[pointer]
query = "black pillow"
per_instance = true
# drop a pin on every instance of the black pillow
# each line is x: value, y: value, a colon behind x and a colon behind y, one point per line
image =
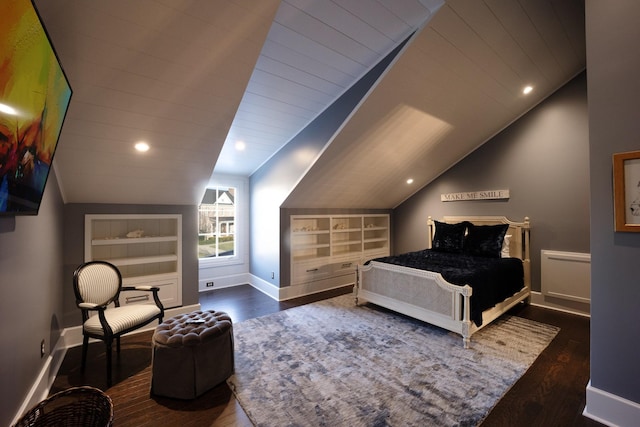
x: 485, y: 240
x: 449, y: 237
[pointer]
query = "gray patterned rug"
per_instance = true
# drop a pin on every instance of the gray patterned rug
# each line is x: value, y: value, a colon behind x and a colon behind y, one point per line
x: 332, y: 363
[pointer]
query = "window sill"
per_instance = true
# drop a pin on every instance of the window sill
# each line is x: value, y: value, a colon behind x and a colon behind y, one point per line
x: 219, y: 262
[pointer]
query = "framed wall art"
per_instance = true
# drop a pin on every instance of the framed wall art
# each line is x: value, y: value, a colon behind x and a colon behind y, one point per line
x: 626, y: 191
x: 34, y: 98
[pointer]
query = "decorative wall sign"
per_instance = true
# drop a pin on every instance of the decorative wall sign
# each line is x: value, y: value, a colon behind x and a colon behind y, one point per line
x: 626, y: 190
x: 475, y: 195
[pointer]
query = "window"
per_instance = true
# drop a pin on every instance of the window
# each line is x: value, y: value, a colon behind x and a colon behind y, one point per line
x: 217, y: 223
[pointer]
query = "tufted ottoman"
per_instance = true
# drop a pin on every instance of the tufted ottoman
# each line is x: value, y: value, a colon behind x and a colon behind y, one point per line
x: 192, y: 353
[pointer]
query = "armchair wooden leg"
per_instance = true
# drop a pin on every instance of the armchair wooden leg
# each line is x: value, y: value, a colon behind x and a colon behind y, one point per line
x: 108, y: 343
x: 85, y: 346
x: 118, y: 345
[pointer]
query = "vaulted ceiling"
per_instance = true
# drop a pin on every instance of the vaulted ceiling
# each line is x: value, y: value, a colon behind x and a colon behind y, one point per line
x: 195, y: 77
x: 457, y: 84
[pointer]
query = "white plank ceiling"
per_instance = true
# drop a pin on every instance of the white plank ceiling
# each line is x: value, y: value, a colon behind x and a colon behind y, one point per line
x: 194, y: 77
x: 456, y: 85
x: 314, y: 52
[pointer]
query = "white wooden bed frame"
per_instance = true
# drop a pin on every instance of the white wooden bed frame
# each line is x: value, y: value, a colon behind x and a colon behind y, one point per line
x: 427, y: 296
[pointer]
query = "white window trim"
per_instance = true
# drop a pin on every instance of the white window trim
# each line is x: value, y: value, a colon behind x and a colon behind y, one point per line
x: 241, y: 221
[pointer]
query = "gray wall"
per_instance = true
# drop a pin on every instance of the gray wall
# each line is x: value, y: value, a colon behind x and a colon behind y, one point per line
x: 31, y: 284
x: 74, y: 247
x: 542, y: 159
x: 614, y: 102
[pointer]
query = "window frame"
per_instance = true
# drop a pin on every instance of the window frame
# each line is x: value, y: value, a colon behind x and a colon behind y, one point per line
x: 240, y: 228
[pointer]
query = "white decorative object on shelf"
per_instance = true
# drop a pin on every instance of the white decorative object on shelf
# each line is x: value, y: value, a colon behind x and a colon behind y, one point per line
x: 135, y: 233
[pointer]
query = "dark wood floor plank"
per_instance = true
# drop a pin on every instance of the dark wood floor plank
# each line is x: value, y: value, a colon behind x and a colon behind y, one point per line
x: 551, y: 393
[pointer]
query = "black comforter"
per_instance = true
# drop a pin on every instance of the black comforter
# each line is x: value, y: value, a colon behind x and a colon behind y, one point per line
x: 492, y: 279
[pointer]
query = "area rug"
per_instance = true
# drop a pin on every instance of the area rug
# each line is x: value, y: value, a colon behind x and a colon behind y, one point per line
x: 333, y: 363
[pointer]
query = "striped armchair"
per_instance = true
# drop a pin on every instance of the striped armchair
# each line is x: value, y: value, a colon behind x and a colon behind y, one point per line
x: 97, y: 284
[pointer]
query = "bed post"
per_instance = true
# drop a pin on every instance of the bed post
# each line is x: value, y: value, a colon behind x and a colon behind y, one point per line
x: 526, y: 256
x: 355, y: 287
x: 465, y: 296
x: 430, y: 225
x: 526, y: 230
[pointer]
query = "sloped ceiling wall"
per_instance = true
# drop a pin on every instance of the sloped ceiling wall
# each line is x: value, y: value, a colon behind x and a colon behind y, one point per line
x: 458, y: 83
x: 314, y: 52
x: 168, y: 72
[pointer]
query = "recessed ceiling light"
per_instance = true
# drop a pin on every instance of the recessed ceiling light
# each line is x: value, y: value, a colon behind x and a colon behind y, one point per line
x: 527, y: 90
x: 142, y: 146
x: 410, y: 181
x: 240, y: 145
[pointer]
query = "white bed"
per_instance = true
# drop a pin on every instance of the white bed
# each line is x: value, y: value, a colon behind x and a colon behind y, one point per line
x: 427, y: 296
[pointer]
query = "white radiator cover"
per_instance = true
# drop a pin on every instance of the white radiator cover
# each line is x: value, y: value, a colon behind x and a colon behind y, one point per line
x: 566, y: 275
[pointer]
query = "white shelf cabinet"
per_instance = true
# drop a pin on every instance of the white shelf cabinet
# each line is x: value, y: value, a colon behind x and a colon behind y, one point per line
x: 154, y: 257
x: 329, y: 247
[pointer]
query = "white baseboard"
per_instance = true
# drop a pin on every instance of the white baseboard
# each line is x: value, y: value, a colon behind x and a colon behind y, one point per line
x: 609, y: 409
x: 47, y: 375
x: 220, y: 282
x: 293, y: 291
x: 275, y: 292
x: 265, y: 287
x: 296, y: 291
x: 572, y: 307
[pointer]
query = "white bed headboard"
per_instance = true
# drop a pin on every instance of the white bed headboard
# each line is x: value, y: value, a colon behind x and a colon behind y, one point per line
x: 519, y: 231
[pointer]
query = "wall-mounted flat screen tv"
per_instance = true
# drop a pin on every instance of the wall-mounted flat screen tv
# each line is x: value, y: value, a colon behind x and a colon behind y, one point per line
x: 34, y: 97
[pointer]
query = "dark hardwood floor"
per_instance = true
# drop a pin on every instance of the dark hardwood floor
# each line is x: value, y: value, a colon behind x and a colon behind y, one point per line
x: 551, y: 393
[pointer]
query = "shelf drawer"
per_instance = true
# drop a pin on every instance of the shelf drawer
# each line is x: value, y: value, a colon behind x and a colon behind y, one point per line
x: 306, y: 272
x: 168, y: 293
x: 330, y: 282
x: 344, y: 267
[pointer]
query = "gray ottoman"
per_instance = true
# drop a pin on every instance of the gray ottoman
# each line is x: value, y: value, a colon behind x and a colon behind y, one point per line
x: 192, y: 353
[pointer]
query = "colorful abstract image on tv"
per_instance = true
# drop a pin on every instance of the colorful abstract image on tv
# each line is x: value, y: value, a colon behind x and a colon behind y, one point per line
x: 34, y: 97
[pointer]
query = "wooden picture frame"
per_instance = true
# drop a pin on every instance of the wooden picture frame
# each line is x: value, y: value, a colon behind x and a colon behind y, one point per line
x: 626, y: 191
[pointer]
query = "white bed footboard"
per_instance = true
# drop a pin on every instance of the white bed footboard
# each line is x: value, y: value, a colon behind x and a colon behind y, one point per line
x: 420, y: 294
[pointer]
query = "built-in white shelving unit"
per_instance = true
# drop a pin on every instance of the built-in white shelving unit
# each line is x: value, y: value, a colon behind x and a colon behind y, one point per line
x: 329, y: 247
x: 147, y: 249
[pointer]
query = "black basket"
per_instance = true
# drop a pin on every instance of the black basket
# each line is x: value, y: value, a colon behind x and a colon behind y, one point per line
x: 75, y: 407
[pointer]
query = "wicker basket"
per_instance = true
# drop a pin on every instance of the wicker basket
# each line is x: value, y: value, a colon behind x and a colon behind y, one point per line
x: 78, y: 406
